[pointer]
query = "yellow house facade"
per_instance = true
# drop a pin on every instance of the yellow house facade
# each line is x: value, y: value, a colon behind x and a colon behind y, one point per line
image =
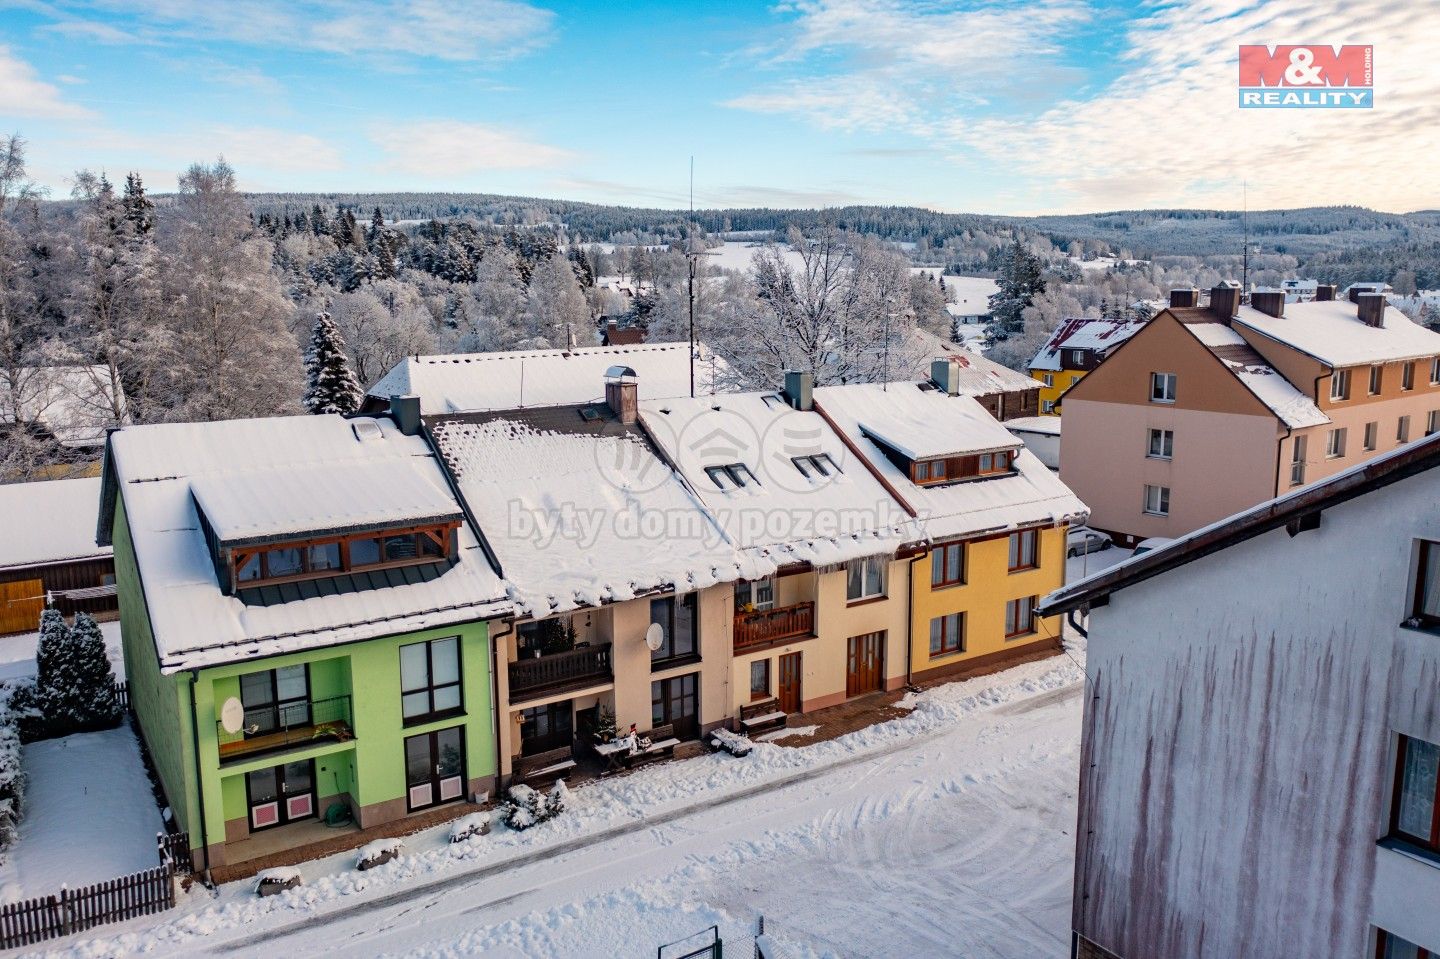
x: 973, y: 612
x: 1078, y: 345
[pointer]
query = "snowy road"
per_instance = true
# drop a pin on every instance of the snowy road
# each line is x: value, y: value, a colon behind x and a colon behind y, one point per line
x: 947, y: 832
x: 957, y: 843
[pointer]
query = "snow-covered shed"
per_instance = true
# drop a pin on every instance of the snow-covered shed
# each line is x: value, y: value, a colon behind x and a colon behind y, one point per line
x: 48, y: 550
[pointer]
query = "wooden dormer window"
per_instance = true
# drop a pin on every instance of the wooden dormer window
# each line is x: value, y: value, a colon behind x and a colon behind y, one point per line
x: 335, y: 555
x: 951, y: 469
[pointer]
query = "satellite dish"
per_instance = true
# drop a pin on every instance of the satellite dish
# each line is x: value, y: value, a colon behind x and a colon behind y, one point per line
x: 655, y: 636
x: 232, y: 715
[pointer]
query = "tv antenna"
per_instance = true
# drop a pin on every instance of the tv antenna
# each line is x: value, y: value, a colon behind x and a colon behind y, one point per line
x: 692, y: 260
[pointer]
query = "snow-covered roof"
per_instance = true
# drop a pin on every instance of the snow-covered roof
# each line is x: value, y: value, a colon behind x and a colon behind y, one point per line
x: 1032, y: 494
x: 1084, y: 333
x: 821, y: 513
x: 974, y: 374
x: 582, y: 512
x: 74, y: 403
x: 907, y: 418
x: 1049, y: 425
x: 477, y: 382
x: 49, y: 522
x: 155, y: 468
x: 320, y: 498
x: 1295, y: 407
x: 1333, y: 333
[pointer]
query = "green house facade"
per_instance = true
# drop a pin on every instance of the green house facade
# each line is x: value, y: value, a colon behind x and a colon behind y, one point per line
x: 355, y: 689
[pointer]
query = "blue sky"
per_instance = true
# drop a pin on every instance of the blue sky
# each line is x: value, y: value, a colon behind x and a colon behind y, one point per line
x: 995, y: 106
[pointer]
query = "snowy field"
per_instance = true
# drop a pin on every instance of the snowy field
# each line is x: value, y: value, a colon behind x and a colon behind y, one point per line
x: 17, y: 653
x: 945, y: 832
x: 89, y: 815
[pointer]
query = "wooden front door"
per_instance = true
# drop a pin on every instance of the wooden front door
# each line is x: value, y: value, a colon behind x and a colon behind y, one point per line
x: 864, y: 671
x: 787, y: 689
x: 434, y: 768
x: 20, y: 606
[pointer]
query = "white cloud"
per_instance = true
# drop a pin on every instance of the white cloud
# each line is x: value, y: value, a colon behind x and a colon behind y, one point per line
x: 445, y: 149
x: 24, y: 94
x: 1169, y: 132
x: 480, y: 30
x: 887, y: 65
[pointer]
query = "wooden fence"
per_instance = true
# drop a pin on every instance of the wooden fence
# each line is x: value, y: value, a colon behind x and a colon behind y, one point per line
x: 138, y: 894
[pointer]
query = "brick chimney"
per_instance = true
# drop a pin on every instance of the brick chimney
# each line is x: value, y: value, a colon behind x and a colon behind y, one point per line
x: 1372, y: 309
x: 1271, y: 302
x: 1186, y: 297
x: 1325, y: 292
x: 622, y: 393
x: 1225, y: 301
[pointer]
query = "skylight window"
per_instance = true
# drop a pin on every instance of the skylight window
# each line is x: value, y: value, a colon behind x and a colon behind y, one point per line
x: 731, y: 476
x: 818, y: 465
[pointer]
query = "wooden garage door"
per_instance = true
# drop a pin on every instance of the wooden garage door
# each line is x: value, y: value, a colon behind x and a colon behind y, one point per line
x: 20, y: 606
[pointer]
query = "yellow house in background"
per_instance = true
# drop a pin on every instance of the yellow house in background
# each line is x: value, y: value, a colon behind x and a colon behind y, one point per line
x: 1078, y: 345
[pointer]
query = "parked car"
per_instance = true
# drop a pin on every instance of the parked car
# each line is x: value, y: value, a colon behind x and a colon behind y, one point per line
x: 1153, y: 543
x: 1083, y: 539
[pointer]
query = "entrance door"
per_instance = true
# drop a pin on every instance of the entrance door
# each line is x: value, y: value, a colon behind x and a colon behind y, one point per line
x: 788, y: 688
x: 864, y: 672
x: 434, y: 768
x: 280, y: 794
x: 676, y: 702
x: 544, y: 728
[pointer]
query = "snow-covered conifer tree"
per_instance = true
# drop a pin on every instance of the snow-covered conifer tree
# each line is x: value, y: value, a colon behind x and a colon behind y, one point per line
x: 330, y: 386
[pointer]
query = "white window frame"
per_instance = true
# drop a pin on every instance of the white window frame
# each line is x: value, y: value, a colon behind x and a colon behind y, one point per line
x: 1377, y: 379
x: 1407, y: 376
x: 1157, y: 500
x: 1166, y: 447
x: 1372, y: 436
x: 1048, y: 379
x: 1339, y: 386
x: 1335, y: 443
x: 1432, y: 422
x: 1297, y: 460
x: 1435, y: 371
x: 1163, y: 387
x: 1402, y: 430
x: 866, y: 565
x: 1047, y: 406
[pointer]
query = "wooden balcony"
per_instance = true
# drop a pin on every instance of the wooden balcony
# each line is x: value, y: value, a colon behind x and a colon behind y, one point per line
x: 291, y: 726
x: 767, y: 627
x: 557, y: 672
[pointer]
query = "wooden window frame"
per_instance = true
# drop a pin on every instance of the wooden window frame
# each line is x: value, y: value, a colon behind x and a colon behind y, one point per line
x: 949, y: 573
x: 944, y: 470
x: 1431, y: 842
x: 1015, y: 543
x: 1029, y: 604
x: 440, y: 534
x: 951, y: 642
x: 432, y: 714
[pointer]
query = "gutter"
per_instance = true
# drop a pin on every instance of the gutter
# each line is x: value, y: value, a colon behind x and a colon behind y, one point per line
x: 199, y: 779
x: 495, y: 697
x: 910, y: 623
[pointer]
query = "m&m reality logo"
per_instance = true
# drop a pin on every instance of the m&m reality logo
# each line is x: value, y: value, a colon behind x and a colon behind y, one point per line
x: 1307, y: 75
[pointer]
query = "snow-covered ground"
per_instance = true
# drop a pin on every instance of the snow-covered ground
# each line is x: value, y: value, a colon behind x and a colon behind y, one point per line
x: 89, y: 816
x: 17, y: 653
x: 947, y: 831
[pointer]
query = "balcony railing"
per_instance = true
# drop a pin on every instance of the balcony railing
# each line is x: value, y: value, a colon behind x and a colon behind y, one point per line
x: 269, y: 728
x: 573, y: 669
x: 765, y: 627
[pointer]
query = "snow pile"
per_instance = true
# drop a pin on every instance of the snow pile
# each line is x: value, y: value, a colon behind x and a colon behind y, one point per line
x: 377, y: 852
x: 528, y: 807
x: 469, y: 826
